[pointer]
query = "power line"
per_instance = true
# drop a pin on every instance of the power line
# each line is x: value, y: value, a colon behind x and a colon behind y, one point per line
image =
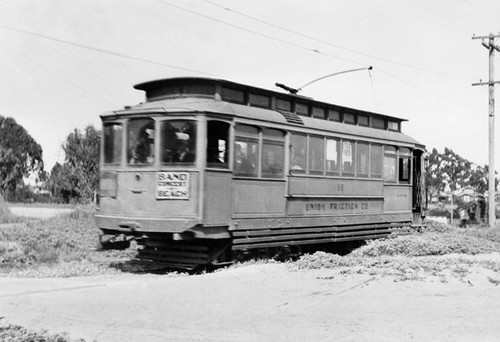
x: 327, y: 42
x: 108, y: 52
x: 258, y: 33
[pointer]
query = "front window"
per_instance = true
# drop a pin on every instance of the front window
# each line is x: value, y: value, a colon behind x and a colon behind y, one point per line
x: 140, y: 138
x: 178, y: 142
x: 113, y: 143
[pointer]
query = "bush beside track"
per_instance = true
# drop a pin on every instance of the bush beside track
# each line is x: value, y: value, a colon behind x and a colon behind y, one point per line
x: 438, y: 250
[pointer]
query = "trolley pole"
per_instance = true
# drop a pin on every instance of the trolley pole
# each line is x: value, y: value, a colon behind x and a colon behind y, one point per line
x: 491, y: 123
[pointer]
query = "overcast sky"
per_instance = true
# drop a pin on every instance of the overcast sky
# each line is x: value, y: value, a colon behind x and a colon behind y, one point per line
x: 64, y: 62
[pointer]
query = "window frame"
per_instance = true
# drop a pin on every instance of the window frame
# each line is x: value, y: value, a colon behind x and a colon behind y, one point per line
x: 297, y: 168
x: 343, y: 171
x: 390, y: 153
x: 404, y: 173
x: 246, y: 137
x: 336, y: 170
x: 228, y: 150
x: 122, y: 143
x: 380, y: 161
x: 321, y: 142
x: 193, y: 145
x: 359, y: 161
x: 128, y: 141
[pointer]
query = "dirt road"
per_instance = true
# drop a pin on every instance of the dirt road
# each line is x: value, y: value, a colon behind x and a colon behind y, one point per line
x: 38, y: 212
x: 256, y: 303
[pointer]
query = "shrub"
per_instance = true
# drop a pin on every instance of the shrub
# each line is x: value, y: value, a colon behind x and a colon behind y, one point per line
x: 11, y: 332
x: 432, y: 243
x: 433, y: 226
x: 4, y: 211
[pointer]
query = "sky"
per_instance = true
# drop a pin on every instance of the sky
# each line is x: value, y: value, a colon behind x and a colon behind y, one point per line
x: 65, y: 62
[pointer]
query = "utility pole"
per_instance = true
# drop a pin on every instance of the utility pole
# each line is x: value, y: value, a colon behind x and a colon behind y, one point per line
x: 491, y: 122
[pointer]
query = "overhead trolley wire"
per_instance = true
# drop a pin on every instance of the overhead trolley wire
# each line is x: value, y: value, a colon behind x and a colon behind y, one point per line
x: 108, y: 52
x: 258, y: 33
x: 327, y: 42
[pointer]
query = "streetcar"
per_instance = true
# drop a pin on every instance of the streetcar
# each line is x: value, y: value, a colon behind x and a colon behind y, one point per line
x: 207, y: 171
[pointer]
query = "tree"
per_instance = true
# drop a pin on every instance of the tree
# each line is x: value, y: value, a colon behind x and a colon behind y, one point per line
x: 450, y: 171
x: 480, y: 179
x: 456, y: 170
x: 20, y: 155
x: 63, y: 183
x: 77, y: 178
x: 434, y: 177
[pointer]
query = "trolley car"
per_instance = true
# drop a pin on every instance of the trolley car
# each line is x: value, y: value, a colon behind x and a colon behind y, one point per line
x: 207, y: 171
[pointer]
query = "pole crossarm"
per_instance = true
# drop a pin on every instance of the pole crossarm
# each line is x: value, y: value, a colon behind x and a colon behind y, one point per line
x: 486, y: 37
x: 486, y: 83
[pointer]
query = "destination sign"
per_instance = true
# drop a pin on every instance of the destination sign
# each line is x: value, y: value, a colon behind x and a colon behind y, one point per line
x: 172, y: 185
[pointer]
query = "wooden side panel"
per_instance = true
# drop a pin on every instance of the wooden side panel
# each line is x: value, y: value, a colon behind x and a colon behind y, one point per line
x: 257, y: 198
x: 136, y: 197
x: 217, y: 200
x: 320, y: 186
x: 397, y: 198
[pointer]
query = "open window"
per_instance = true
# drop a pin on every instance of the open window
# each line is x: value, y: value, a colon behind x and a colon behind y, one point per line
x: 404, y: 165
x: 332, y: 156
x: 217, y: 144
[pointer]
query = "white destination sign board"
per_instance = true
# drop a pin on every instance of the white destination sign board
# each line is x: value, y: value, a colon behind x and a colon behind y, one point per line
x: 172, y: 185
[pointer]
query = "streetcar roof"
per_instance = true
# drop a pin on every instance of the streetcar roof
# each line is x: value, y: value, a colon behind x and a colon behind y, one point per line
x: 156, y: 89
x: 258, y: 115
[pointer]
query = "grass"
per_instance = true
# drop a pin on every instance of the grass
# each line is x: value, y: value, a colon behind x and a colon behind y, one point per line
x: 5, y: 214
x: 61, y: 246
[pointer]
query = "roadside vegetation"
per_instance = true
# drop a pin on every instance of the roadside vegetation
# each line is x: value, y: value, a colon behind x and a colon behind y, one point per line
x: 62, y: 246
x: 65, y: 246
x: 15, y: 333
x: 440, y: 250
